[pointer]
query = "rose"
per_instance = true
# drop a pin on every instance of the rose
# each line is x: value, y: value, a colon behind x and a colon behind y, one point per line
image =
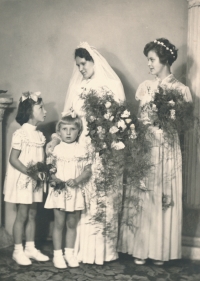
x: 104, y: 145
x: 171, y: 102
x: 107, y: 116
x: 113, y: 130
x: 117, y: 145
x: 108, y: 104
x: 125, y: 114
x: 121, y: 124
x: 132, y: 127
x: 92, y: 118
x: 111, y: 118
x: 128, y: 121
x: 133, y: 135
x: 99, y: 129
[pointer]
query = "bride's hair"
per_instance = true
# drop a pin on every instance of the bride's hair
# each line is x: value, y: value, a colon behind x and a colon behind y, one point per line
x: 83, y: 53
x: 164, y: 49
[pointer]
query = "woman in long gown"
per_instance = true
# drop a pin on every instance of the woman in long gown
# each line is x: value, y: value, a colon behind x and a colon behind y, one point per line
x: 91, y: 71
x: 158, y: 232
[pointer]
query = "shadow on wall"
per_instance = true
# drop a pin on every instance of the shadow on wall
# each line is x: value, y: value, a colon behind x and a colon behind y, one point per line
x: 125, y: 78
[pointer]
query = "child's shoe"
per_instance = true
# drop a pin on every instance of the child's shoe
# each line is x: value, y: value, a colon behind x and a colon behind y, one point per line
x: 21, y: 258
x: 71, y: 260
x: 58, y: 259
x: 36, y: 255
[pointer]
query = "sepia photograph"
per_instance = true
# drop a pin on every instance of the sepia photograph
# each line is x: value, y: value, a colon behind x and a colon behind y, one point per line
x: 100, y: 140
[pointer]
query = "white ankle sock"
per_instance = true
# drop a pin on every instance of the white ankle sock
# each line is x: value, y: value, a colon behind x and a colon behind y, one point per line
x: 30, y: 245
x: 69, y: 251
x: 18, y: 247
x: 57, y: 253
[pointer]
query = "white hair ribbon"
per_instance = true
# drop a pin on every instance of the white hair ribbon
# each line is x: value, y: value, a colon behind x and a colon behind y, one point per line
x: 71, y: 113
x: 31, y: 95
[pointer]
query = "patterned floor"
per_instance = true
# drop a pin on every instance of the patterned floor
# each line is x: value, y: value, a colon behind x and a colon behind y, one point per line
x: 120, y: 270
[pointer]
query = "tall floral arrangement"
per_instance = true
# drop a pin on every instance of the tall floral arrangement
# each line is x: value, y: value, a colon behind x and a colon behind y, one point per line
x: 119, y: 138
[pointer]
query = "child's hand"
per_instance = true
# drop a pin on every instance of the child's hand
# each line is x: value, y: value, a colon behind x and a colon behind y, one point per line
x: 71, y: 183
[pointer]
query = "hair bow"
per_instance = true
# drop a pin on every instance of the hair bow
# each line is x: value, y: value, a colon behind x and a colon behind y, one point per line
x: 31, y: 95
x: 71, y: 113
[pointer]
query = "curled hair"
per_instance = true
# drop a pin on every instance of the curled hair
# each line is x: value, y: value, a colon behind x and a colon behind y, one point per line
x: 166, y: 51
x: 83, y: 53
x: 70, y: 120
x: 25, y: 110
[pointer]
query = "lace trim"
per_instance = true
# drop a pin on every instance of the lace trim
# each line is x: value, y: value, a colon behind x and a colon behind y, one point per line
x: 24, y: 139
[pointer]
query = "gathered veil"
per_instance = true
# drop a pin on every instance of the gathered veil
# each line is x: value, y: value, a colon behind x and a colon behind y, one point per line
x: 104, y: 75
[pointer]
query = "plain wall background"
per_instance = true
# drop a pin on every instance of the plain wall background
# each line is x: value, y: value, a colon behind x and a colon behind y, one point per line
x: 38, y: 38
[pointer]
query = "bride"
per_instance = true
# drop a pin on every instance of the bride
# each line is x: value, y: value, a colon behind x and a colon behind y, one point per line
x: 91, y: 71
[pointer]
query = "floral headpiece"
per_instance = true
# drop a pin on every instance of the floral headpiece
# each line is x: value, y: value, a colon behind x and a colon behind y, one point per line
x: 31, y: 95
x: 71, y: 113
x: 167, y: 48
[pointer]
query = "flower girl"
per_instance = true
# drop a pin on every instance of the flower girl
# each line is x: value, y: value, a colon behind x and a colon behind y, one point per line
x: 20, y: 187
x: 72, y: 169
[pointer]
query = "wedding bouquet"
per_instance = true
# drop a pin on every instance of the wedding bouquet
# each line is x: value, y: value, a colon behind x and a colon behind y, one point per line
x: 171, y: 112
x: 37, y: 172
x: 120, y: 140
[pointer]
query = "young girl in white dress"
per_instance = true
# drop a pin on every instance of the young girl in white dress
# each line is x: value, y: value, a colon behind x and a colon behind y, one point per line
x: 27, y: 147
x: 158, y: 231
x: 73, y: 170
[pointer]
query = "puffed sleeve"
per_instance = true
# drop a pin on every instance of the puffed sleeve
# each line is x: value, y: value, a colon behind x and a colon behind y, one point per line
x: 17, y: 140
x: 187, y: 95
x: 143, y: 94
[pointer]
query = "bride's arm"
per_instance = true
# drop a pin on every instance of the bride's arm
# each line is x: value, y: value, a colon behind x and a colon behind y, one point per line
x: 55, y: 140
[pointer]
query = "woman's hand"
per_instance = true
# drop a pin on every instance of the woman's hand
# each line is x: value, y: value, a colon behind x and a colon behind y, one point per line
x: 71, y: 183
x: 50, y: 146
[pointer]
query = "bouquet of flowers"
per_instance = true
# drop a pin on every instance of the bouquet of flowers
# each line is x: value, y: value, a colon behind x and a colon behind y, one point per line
x: 171, y: 112
x: 37, y: 172
x: 119, y: 138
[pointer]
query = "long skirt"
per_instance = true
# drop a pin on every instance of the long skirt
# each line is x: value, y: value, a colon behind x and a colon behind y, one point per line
x: 154, y: 230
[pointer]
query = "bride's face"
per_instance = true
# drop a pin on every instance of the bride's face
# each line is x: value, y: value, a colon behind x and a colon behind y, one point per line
x: 85, y: 67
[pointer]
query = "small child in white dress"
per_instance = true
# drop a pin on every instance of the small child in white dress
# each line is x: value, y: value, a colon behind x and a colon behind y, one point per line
x: 65, y: 195
x: 20, y: 188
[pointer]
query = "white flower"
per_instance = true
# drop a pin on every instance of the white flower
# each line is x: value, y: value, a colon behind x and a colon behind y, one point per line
x: 154, y: 107
x: 99, y: 129
x: 121, y: 124
x: 113, y: 130
x: 92, y: 118
x: 128, y: 120
x: 132, y: 127
x: 111, y: 118
x: 107, y: 116
x: 171, y: 102
x: 133, y: 135
x: 108, y: 104
x: 173, y: 114
x: 104, y: 145
x: 125, y: 114
x: 117, y: 145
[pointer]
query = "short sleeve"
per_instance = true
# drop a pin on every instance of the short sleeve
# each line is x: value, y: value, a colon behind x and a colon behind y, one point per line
x: 187, y: 95
x: 143, y: 93
x: 17, y: 140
